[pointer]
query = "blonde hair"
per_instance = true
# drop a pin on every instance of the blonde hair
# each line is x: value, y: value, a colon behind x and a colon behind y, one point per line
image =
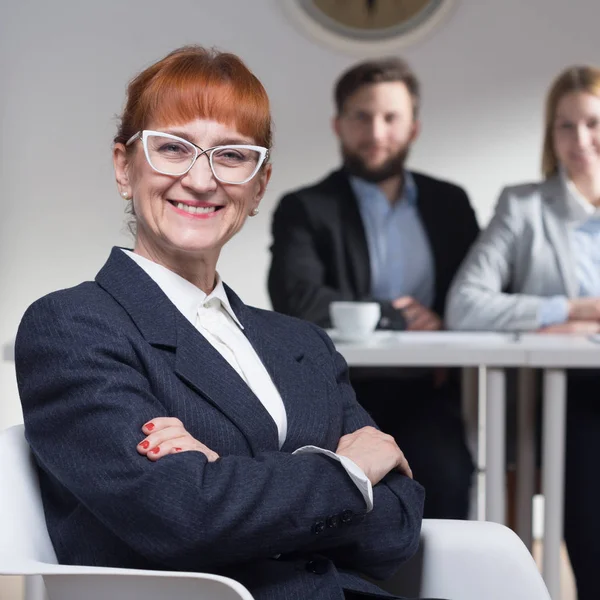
x: 573, y: 79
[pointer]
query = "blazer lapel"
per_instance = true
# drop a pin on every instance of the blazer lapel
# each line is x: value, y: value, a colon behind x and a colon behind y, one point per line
x: 206, y: 371
x: 196, y: 361
x: 298, y: 386
x: 353, y: 232
x: 556, y: 222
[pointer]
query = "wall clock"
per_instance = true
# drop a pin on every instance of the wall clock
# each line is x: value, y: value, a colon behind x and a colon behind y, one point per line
x: 367, y: 27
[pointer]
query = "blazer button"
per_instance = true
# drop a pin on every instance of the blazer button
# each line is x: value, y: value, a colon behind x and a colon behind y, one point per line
x: 318, y: 566
x: 333, y: 521
x: 346, y: 516
x: 318, y: 527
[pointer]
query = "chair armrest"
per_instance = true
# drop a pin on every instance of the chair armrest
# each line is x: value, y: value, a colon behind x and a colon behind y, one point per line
x: 469, y: 560
x: 72, y: 582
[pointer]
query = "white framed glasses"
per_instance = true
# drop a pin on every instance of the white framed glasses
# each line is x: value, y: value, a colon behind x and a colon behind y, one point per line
x: 171, y: 155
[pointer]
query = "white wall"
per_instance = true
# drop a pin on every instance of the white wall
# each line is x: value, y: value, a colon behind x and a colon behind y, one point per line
x: 63, y: 70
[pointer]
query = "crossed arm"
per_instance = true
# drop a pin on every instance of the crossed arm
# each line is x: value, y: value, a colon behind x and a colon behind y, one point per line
x: 86, y: 395
x: 479, y: 300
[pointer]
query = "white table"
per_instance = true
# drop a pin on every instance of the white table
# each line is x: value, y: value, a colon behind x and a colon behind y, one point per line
x: 495, y: 351
x: 554, y: 354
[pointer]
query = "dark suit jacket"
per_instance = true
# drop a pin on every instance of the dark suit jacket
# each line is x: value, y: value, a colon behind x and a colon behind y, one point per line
x: 97, y: 361
x: 320, y: 253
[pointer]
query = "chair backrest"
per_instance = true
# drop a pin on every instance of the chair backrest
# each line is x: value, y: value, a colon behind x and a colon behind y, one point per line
x: 23, y: 531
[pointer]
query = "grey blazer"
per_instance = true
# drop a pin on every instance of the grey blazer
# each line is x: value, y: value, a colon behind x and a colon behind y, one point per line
x: 523, y: 256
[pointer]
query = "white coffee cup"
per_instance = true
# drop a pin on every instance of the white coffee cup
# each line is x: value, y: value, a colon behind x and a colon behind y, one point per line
x: 354, y: 321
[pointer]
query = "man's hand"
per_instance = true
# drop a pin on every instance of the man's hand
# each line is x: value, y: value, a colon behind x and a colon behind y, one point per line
x: 584, y: 309
x: 375, y: 452
x: 573, y: 327
x: 418, y: 318
x: 167, y: 435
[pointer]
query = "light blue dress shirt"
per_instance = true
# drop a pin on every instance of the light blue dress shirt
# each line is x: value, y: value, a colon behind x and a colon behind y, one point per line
x: 400, y: 255
x: 584, y: 238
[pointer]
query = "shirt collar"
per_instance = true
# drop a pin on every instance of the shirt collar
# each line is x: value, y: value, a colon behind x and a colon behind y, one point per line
x: 363, y: 188
x: 184, y: 295
x: 579, y: 208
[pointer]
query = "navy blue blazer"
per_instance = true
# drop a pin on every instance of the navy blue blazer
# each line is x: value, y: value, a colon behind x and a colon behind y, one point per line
x: 97, y: 361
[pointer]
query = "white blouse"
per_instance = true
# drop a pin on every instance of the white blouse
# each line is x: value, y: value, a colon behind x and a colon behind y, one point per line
x: 214, y: 318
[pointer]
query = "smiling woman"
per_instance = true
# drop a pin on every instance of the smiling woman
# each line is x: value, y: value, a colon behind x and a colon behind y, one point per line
x: 190, y: 105
x: 537, y: 268
x: 175, y: 427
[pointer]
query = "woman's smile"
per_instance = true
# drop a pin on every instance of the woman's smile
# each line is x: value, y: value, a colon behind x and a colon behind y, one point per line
x: 196, y: 210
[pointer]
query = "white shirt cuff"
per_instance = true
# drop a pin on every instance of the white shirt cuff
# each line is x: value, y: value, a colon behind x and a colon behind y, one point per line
x: 354, y: 471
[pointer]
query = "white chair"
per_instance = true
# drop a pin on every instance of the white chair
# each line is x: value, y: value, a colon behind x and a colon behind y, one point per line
x: 25, y: 548
x: 462, y: 560
x: 469, y: 560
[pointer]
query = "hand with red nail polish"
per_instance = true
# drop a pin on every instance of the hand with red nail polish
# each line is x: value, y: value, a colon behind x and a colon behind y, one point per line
x: 167, y: 435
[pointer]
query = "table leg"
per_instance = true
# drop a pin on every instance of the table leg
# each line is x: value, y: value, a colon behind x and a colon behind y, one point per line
x: 34, y: 588
x: 495, y: 447
x: 481, y: 441
x: 553, y: 464
x: 471, y: 416
x: 525, y: 454
x: 469, y: 405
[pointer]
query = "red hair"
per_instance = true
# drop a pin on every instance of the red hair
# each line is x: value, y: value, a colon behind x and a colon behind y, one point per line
x: 196, y: 83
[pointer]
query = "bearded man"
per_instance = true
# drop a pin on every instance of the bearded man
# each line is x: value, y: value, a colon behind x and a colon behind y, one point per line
x: 375, y: 231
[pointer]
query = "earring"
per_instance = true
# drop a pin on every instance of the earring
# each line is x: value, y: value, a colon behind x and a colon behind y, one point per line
x: 125, y: 195
x: 254, y: 212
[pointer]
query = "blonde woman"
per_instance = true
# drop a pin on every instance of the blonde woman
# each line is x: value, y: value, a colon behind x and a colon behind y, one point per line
x: 537, y: 268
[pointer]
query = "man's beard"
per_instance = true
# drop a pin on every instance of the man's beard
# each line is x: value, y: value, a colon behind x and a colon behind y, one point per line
x: 392, y: 167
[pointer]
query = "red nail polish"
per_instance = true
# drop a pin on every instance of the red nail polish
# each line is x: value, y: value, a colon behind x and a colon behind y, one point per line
x: 177, y: 449
x: 155, y: 450
x: 149, y: 426
x: 145, y: 444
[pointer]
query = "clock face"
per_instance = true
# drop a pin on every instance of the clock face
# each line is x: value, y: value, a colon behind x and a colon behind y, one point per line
x: 371, y: 19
